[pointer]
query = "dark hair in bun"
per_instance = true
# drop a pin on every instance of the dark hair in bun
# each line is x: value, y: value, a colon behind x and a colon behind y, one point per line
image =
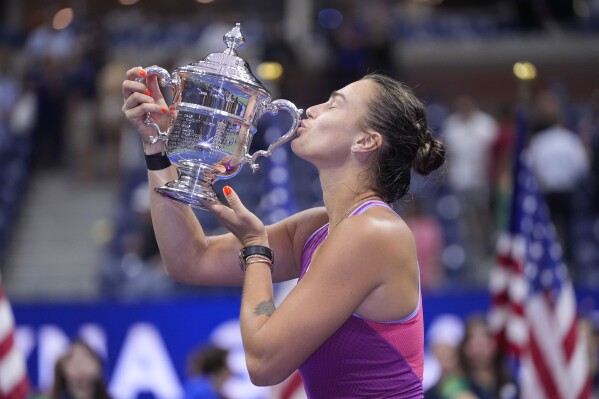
x: 396, y: 113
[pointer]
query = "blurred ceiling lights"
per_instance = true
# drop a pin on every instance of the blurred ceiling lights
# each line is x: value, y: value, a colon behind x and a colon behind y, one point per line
x: 204, y: 1
x: 62, y: 18
x: 270, y: 70
x: 525, y: 70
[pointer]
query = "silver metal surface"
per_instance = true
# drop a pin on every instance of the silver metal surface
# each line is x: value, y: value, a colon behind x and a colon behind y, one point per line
x: 217, y: 102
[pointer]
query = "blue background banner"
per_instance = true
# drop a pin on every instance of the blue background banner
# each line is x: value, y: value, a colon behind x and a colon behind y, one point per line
x: 155, y: 338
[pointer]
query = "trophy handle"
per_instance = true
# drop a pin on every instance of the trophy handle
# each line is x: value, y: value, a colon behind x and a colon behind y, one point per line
x: 274, y: 108
x: 164, y: 79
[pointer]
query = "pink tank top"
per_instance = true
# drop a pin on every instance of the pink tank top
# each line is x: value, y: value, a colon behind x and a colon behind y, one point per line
x: 364, y: 358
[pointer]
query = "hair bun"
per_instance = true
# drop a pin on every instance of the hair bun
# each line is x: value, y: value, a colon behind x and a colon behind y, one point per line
x: 429, y: 157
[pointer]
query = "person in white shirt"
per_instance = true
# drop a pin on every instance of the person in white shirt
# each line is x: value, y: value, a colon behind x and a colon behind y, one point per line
x: 560, y: 162
x: 469, y: 134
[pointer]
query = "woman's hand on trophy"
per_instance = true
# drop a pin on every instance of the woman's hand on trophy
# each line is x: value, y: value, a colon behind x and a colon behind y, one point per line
x: 246, y: 226
x: 141, y: 99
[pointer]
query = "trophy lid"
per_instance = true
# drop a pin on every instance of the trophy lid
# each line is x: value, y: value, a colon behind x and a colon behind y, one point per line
x: 228, y: 64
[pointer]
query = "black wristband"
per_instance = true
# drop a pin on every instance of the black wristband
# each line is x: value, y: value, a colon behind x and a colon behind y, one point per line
x: 255, y: 250
x: 157, y: 161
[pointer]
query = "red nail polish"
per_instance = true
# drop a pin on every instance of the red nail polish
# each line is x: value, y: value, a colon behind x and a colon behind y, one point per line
x: 227, y: 190
x: 164, y: 110
x: 148, y: 92
x: 172, y: 107
x: 142, y: 73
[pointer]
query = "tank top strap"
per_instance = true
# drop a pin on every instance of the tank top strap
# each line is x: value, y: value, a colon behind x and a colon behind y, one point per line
x: 369, y: 204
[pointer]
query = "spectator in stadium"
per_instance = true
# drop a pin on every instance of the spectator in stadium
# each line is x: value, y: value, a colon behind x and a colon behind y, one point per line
x: 208, y: 371
x: 78, y: 374
x: 447, y: 379
x: 483, y: 364
x: 560, y: 163
x: 470, y: 134
x: 588, y: 330
x: 359, y: 290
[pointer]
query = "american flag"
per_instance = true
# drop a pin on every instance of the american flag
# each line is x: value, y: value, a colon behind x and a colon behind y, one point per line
x: 13, y: 374
x: 533, y: 300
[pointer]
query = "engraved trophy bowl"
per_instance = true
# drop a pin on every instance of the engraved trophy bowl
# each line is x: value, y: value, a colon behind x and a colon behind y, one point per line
x: 217, y: 103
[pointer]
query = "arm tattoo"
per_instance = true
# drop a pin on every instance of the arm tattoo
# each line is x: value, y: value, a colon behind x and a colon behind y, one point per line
x: 265, y: 307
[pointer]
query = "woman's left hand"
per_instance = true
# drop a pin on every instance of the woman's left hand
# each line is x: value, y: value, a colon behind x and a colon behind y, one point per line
x: 246, y: 226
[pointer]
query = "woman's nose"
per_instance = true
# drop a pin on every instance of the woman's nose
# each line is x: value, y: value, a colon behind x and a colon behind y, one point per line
x: 310, y: 112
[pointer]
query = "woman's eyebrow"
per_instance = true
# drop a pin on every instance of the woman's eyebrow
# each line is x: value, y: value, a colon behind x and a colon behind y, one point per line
x: 336, y: 94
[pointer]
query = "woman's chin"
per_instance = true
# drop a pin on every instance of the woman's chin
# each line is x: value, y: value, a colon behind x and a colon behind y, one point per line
x: 296, y: 148
x: 293, y: 145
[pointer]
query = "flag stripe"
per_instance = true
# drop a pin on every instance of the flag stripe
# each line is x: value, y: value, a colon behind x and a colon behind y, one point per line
x: 6, y: 319
x: 19, y: 391
x: 549, y: 356
x: 7, y: 344
x: 586, y: 390
x: 570, y: 341
x: 530, y: 385
x: 578, y: 363
x: 13, y: 374
x: 548, y: 384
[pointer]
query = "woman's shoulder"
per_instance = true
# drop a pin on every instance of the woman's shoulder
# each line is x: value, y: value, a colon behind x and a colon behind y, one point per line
x: 375, y: 248
x: 379, y: 229
x: 378, y: 221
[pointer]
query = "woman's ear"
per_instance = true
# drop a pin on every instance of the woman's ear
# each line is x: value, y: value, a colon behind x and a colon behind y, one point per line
x: 370, y: 141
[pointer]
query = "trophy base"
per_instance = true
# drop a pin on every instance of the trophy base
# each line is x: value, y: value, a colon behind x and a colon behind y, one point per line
x: 193, y: 187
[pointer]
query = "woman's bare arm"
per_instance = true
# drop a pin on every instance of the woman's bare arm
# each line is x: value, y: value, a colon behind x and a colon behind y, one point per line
x: 194, y: 258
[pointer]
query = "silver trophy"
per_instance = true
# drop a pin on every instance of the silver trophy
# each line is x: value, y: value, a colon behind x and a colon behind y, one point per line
x: 218, y: 103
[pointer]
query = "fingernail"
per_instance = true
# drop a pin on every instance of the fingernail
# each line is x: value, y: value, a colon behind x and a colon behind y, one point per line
x: 227, y: 190
x: 164, y: 110
x: 147, y: 92
x: 142, y: 73
x: 172, y: 107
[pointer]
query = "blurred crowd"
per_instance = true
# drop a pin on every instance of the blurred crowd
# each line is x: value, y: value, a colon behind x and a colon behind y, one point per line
x: 60, y: 101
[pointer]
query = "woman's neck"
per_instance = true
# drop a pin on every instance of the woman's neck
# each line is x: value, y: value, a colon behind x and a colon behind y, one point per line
x: 341, y: 202
x: 344, y: 190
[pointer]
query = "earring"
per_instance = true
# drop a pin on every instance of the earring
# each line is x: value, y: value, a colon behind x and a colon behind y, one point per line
x: 354, y: 148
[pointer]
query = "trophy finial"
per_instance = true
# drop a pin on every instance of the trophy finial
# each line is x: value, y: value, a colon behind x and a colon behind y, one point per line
x: 234, y: 40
